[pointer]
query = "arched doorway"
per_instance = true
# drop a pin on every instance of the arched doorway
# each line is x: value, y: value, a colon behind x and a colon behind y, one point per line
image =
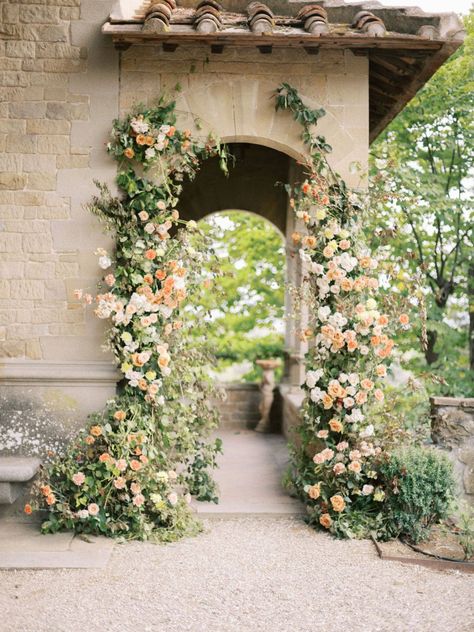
x: 257, y: 175
x: 255, y: 184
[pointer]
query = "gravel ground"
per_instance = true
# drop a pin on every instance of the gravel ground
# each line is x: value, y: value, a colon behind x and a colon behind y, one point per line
x: 240, y: 575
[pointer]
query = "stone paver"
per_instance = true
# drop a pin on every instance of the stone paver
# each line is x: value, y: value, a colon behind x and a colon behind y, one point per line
x: 249, y: 477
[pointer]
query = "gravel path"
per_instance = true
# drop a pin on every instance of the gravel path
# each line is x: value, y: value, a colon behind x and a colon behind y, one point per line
x: 241, y: 575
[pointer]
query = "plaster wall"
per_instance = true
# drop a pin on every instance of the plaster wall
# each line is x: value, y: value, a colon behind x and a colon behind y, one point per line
x: 62, y: 83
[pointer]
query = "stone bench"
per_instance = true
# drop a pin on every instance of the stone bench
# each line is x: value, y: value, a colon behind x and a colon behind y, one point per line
x: 15, y: 471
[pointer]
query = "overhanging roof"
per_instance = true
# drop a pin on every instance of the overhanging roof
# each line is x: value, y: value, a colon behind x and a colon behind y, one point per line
x: 404, y: 45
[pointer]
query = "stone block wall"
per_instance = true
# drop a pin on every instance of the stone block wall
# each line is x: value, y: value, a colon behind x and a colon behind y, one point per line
x: 239, y: 409
x: 452, y: 429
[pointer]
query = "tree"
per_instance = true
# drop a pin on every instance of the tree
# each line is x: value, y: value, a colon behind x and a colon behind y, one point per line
x: 246, y: 304
x: 427, y: 161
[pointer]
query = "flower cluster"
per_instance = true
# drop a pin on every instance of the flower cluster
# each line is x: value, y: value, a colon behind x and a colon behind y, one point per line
x: 350, y: 342
x: 131, y: 473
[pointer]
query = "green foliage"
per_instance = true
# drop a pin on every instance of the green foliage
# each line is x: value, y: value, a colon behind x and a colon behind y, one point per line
x: 423, y: 217
x: 420, y: 490
x: 238, y: 317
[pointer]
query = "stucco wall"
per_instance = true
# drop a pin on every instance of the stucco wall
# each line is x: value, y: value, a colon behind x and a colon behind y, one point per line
x: 62, y: 84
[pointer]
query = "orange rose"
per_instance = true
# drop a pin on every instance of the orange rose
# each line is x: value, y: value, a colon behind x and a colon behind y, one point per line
x: 45, y: 490
x: 309, y: 241
x: 28, y: 509
x: 382, y: 320
x: 105, y: 457
x: 381, y: 370
x: 119, y: 415
x: 325, y: 520
x: 150, y: 254
x: 141, y: 139
x: 149, y: 140
x: 337, y: 502
x: 96, y: 431
x: 135, y: 465
x: 403, y: 319
x: 129, y: 153
x: 160, y: 275
x: 327, y: 401
x: 50, y: 499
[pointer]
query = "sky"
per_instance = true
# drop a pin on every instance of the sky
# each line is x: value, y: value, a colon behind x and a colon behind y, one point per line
x: 433, y: 6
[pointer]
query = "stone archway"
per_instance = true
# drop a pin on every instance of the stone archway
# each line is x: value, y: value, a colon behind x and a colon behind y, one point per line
x: 255, y: 184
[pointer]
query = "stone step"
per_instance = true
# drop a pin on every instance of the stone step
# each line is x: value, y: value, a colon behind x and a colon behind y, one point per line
x: 15, y: 471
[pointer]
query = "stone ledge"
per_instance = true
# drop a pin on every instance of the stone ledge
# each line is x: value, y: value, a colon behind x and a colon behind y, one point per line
x: 18, y: 469
x: 459, y: 402
x: 16, y: 372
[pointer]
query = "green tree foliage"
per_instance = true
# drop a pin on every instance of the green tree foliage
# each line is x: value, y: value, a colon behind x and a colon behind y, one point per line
x: 424, y: 219
x: 246, y: 305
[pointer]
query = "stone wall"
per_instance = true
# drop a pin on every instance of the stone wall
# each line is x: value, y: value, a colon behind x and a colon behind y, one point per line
x: 239, y: 409
x: 59, y: 92
x: 452, y: 429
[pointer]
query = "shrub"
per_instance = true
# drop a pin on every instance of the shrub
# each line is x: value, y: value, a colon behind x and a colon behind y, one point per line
x: 420, y: 487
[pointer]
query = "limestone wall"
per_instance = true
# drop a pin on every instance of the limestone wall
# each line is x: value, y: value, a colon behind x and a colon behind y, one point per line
x: 62, y: 83
x: 452, y: 429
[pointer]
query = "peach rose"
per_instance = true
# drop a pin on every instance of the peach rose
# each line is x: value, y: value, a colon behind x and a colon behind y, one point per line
x: 381, y: 370
x: 45, y: 490
x: 135, y: 465
x: 336, y: 425
x: 135, y: 488
x: 339, y: 468
x: 382, y: 320
x: 314, y: 492
x: 150, y: 254
x: 403, y: 319
x: 96, y: 431
x: 105, y: 457
x: 367, y: 384
x: 28, y: 509
x: 121, y: 465
x: 119, y: 482
x: 327, y: 401
x: 78, y: 478
x: 129, y: 153
x: 119, y: 415
x: 93, y: 509
x: 355, y: 466
x: 322, y: 434
x: 378, y: 394
x: 344, y: 244
x: 325, y: 520
x: 50, y: 499
x: 138, y: 500
x: 338, y: 503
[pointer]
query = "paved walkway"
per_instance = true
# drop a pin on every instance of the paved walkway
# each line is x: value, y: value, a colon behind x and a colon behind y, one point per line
x: 250, y: 477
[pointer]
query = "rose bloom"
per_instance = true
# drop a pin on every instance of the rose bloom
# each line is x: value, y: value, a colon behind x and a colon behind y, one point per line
x: 50, y: 499
x: 93, y: 509
x: 336, y: 425
x: 135, y: 488
x: 367, y: 490
x: 78, y: 478
x: 337, y: 502
x: 96, y: 431
x: 327, y: 401
x: 119, y: 482
x: 143, y: 215
x: 322, y: 434
x: 105, y: 457
x: 403, y: 319
x: 314, y: 492
x: 144, y: 459
x: 45, y: 490
x: 28, y: 509
x: 382, y: 320
x: 129, y: 153
x: 354, y: 455
x: 89, y: 440
x: 150, y: 254
x: 121, y: 465
x: 378, y: 394
x: 344, y: 244
x: 355, y: 467
x: 325, y: 520
x: 135, y: 465
x: 328, y: 252
x: 138, y: 500
x: 172, y: 498
x: 367, y: 384
x: 110, y: 280
x: 119, y: 415
x: 381, y: 370
x: 361, y: 397
x: 339, y: 468
x: 343, y: 445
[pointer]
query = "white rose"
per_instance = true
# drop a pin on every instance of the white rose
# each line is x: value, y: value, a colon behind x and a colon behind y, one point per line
x: 173, y: 499
x: 105, y: 262
x: 367, y: 490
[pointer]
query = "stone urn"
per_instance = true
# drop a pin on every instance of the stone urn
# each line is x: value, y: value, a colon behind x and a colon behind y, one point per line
x: 266, y: 388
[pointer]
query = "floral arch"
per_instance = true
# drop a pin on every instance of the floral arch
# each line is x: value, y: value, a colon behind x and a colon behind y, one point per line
x: 133, y: 470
